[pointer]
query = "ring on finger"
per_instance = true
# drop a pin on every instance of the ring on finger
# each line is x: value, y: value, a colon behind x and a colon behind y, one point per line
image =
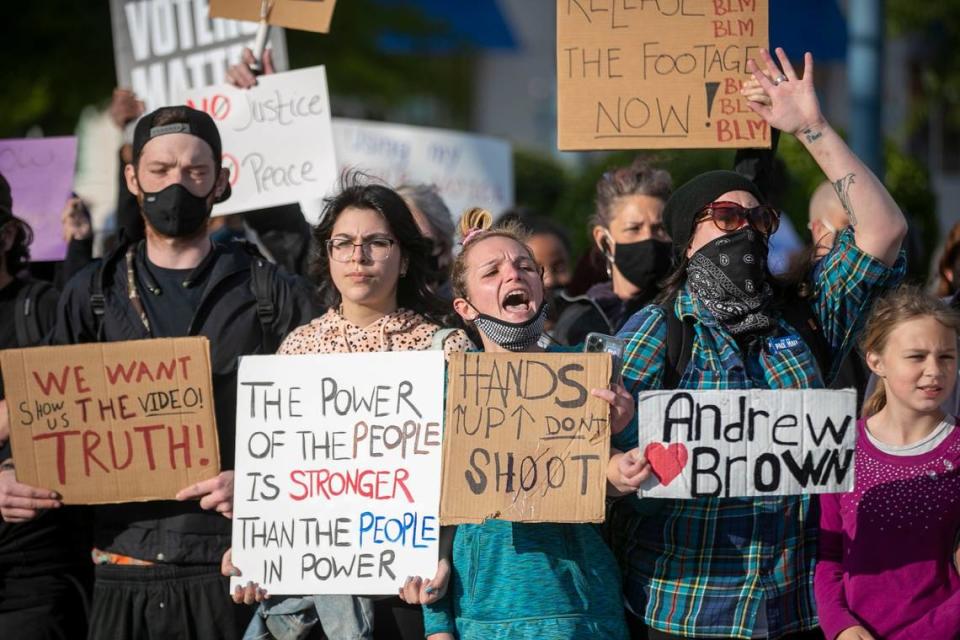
x: 779, y: 79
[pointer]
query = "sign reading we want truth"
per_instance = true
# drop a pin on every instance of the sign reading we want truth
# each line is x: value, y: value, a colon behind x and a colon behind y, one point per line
x: 657, y: 74
x: 338, y: 471
x: 113, y: 422
x: 747, y: 443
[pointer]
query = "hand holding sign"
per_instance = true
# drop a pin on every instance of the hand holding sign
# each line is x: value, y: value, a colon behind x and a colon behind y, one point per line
x: 215, y: 493
x: 241, y: 75
x: 21, y: 502
x: 622, y: 406
x: 626, y: 472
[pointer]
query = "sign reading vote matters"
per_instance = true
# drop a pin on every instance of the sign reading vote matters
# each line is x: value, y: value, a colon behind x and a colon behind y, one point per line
x: 112, y: 422
x: 657, y: 75
x: 747, y: 443
x: 525, y: 440
x: 40, y: 173
x: 277, y: 141
x: 163, y: 48
x: 337, y: 484
x: 468, y: 170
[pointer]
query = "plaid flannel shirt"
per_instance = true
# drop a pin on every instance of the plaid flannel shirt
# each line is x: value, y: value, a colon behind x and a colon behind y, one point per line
x: 704, y: 567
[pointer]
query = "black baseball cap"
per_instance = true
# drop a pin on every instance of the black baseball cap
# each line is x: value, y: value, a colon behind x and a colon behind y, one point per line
x: 179, y: 119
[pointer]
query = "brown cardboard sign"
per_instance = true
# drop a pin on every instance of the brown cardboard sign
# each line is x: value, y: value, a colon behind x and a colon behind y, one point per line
x: 664, y: 74
x: 524, y: 440
x: 112, y: 422
x: 307, y: 15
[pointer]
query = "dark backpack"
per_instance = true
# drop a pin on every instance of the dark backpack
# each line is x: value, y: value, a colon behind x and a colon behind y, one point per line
x: 26, y: 318
x: 680, y: 340
x: 261, y: 281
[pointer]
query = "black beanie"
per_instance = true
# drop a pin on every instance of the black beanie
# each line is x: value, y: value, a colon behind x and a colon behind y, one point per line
x: 687, y: 201
x: 6, y: 201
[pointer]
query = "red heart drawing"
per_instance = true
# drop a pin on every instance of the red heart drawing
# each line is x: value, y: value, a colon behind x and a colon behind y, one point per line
x: 666, y: 462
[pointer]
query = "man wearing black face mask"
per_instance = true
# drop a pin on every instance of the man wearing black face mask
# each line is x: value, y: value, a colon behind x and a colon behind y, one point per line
x: 158, y: 563
x: 628, y: 231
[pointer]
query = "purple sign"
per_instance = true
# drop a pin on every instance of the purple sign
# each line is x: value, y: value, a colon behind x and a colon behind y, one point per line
x: 40, y: 173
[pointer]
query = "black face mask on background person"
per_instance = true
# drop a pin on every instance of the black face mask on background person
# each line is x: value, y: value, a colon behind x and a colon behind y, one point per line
x: 644, y: 263
x: 729, y: 277
x: 175, y: 212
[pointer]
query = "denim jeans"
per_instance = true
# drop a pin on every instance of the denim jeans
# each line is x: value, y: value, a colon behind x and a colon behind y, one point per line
x: 293, y: 617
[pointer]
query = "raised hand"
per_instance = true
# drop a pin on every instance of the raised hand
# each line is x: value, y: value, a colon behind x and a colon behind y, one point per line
x: 794, y: 107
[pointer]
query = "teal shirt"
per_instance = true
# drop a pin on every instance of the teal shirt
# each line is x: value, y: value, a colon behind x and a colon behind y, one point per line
x: 537, y: 581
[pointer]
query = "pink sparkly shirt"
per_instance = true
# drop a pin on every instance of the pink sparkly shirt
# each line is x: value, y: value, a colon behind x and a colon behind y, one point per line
x: 886, y: 548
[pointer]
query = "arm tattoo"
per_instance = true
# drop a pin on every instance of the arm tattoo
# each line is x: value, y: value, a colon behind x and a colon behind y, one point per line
x: 842, y: 187
x: 811, y: 135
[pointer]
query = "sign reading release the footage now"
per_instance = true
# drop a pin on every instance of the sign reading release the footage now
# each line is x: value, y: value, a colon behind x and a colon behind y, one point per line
x: 337, y: 485
x: 747, y: 443
x: 277, y: 139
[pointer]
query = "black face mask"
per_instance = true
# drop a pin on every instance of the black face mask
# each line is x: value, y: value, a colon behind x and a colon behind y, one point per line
x: 174, y: 211
x: 729, y: 276
x: 644, y: 263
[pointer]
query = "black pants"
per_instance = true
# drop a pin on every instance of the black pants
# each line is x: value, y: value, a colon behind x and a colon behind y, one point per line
x: 47, y: 607
x: 164, y: 602
x: 394, y: 619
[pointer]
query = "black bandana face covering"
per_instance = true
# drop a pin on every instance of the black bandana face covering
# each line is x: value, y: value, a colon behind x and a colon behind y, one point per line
x: 174, y: 211
x: 728, y: 275
x: 513, y: 336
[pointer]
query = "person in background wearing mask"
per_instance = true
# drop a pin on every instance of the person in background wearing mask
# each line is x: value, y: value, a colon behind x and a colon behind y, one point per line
x: 743, y: 567
x: 436, y: 224
x: 158, y: 563
x: 628, y: 230
x: 45, y: 570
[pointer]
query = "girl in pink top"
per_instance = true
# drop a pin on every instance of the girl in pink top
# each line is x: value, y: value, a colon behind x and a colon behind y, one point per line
x: 886, y: 570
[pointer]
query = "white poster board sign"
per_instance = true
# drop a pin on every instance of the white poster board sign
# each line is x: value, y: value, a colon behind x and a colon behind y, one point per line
x: 747, y: 443
x: 164, y: 48
x: 469, y: 170
x: 277, y: 141
x: 337, y: 486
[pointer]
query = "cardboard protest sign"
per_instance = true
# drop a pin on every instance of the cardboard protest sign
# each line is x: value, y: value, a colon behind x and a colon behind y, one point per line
x: 657, y: 75
x: 747, y: 442
x: 338, y: 465
x: 164, y: 48
x: 277, y: 141
x: 468, y: 170
x: 112, y: 422
x: 40, y: 173
x: 308, y: 15
x: 524, y: 440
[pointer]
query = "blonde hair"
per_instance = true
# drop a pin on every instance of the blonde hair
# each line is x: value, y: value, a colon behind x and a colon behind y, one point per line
x: 902, y: 305
x: 475, y: 225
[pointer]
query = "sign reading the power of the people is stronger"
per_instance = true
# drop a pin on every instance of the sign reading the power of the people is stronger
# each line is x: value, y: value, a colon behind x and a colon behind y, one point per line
x: 748, y: 442
x: 337, y: 471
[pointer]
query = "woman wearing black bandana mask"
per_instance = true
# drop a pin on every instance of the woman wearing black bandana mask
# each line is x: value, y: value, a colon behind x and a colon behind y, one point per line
x: 627, y: 228
x: 742, y: 330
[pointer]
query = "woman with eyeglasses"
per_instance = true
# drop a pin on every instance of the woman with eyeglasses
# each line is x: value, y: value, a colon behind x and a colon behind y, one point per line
x: 627, y: 228
x: 375, y: 278
x: 743, y: 567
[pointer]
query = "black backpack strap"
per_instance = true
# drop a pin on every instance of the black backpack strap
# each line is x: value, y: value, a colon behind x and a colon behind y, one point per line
x: 679, y: 345
x: 98, y: 303
x: 799, y: 315
x: 261, y: 280
x: 23, y: 309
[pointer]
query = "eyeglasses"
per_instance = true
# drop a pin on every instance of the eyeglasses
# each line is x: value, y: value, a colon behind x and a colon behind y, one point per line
x: 377, y: 248
x: 730, y: 216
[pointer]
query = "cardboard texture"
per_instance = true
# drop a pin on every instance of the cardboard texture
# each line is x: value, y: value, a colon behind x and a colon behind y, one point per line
x: 307, y: 15
x: 337, y: 485
x: 524, y: 440
x: 747, y: 443
x: 277, y: 140
x: 112, y: 422
x: 469, y: 170
x: 657, y: 75
x: 163, y: 49
x: 40, y: 173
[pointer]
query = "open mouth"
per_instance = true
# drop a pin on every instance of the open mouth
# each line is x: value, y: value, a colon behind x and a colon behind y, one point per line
x: 517, y: 300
